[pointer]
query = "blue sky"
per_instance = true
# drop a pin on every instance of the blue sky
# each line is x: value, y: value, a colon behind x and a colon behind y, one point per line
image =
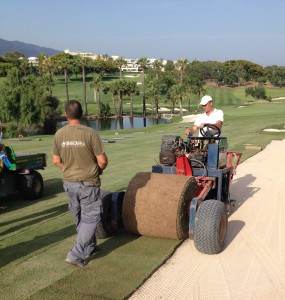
x: 204, y: 30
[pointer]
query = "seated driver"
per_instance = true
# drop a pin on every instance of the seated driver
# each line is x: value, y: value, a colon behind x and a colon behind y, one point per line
x: 211, y: 115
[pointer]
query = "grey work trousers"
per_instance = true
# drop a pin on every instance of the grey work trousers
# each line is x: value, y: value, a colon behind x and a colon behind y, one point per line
x: 85, y: 203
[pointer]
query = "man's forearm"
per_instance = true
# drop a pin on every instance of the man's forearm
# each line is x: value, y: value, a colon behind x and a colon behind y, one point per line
x: 56, y: 160
x: 191, y: 130
x: 103, y: 165
x: 102, y: 161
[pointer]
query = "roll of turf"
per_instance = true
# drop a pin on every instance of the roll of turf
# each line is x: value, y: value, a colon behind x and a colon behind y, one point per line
x: 158, y: 205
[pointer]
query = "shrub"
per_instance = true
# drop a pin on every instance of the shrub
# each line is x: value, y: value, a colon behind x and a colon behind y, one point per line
x: 11, y: 131
x: 257, y: 92
x: 105, y: 110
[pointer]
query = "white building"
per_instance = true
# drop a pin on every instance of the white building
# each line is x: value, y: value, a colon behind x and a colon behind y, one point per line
x: 115, y: 57
x: 131, y: 66
x: 82, y: 54
x: 33, y: 60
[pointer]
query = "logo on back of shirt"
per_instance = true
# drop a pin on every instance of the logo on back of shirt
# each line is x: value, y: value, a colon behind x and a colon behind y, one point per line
x: 72, y: 144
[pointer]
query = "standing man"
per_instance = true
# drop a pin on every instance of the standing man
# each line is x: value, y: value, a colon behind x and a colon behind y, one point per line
x: 79, y: 153
x: 211, y: 115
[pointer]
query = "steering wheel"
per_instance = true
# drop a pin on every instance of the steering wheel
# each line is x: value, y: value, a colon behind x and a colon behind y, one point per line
x: 210, y: 131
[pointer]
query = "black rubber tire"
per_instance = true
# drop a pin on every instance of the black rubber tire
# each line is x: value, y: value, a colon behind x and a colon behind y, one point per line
x: 100, y: 232
x: 104, y: 227
x: 210, y: 229
x: 31, y: 185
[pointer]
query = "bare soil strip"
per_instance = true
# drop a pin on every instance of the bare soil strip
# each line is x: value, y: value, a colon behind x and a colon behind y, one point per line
x: 252, y: 266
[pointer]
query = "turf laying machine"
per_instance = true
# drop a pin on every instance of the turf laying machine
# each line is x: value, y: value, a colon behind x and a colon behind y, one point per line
x: 18, y: 173
x: 186, y: 195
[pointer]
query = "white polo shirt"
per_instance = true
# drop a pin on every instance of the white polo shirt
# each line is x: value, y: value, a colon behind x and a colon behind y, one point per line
x: 215, y: 116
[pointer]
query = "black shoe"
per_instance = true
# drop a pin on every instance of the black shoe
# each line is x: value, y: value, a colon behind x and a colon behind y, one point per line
x: 76, y: 263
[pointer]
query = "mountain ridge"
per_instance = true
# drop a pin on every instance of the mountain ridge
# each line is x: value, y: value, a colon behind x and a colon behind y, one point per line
x: 27, y: 49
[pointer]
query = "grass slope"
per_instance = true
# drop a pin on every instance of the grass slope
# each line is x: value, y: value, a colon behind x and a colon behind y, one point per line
x: 35, y: 236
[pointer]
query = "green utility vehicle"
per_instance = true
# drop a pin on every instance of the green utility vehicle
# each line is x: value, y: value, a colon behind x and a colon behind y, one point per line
x: 18, y: 173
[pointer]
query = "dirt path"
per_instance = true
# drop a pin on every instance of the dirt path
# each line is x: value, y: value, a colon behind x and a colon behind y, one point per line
x: 252, y: 266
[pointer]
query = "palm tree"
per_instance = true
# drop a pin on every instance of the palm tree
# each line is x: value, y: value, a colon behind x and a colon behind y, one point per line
x: 177, y: 92
x: 120, y: 62
x: 157, y: 66
x: 194, y: 85
x: 131, y: 91
x: 85, y: 63
x: 46, y: 70
x: 153, y: 92
x: 181, y: 66
x: 172, y: 95
x: 112, y: 88
x: 118, y: 89
x: 181, y: 86
x: 122, y: 90
x: 143, y: 63
x: 97, y: 84
x: 63, y: 61
x: 76, y: 66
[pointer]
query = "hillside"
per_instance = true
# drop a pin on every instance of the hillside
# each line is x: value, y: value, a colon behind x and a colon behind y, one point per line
x: 25, y: 48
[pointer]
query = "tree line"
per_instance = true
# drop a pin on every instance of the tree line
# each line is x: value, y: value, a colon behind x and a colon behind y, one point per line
x: 229, y: 73
x: 27, y: 98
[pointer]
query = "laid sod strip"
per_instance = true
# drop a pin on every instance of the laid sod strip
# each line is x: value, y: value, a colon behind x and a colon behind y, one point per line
x: 122, y: 264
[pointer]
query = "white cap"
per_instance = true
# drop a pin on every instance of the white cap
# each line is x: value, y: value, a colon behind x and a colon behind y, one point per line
x: 205, y: 99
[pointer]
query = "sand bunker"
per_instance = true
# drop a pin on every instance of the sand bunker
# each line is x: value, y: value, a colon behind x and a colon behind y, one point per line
x: 188, y: 119
x: 252, y: 266
x: 273, y: 130
x: 278, y: 98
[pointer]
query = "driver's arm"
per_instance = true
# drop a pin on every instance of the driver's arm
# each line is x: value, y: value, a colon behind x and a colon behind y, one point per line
x: 219, y: 124
x: 191, y: 130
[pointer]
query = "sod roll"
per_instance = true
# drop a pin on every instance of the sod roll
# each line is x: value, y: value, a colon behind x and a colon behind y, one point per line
x: 158, y: 205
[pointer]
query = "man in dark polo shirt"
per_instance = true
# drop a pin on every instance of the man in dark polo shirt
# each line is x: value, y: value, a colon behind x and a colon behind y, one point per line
x: 78, y: 152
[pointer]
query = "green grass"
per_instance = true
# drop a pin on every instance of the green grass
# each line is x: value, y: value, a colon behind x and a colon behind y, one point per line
x: 35, y: 236
x: 1, y: 80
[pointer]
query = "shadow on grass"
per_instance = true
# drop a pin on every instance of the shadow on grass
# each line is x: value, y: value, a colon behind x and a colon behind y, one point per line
x: 114, y: 242
x: 52, y: 187
x: 16, y: 251
x: 34, y: 218
x: 19, y: 250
